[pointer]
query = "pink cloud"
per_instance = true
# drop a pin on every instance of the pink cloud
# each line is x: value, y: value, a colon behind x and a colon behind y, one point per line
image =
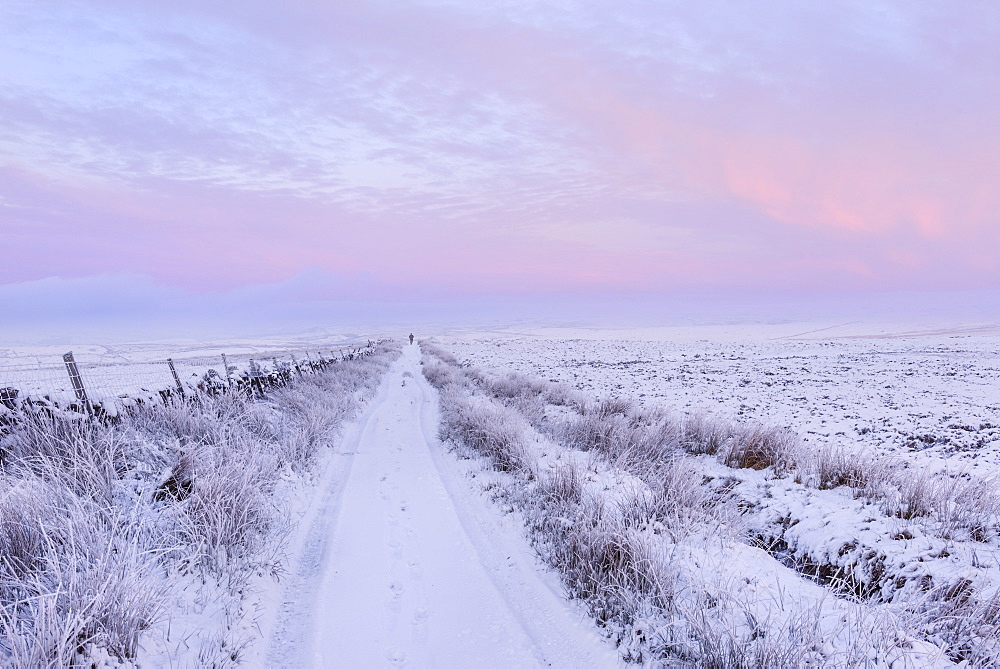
x: 463, y: 148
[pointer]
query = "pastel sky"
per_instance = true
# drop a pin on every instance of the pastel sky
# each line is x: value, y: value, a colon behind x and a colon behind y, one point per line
x: 460, y: 149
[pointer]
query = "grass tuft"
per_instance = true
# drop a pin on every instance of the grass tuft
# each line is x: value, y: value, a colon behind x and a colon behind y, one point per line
x: 756, y: 447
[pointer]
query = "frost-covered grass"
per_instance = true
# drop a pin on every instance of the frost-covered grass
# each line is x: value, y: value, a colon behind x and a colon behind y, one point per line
x: 107, y: 527
x: 657, y: 521
x: 936, y: 396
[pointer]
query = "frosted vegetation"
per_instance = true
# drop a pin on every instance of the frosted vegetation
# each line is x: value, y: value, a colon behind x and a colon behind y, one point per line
x: 692, y: 540
x: 145, y: 532
x: 696, y: 540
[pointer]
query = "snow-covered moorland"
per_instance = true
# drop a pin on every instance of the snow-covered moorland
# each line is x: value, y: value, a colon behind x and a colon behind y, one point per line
x: 933, y: 394
x: 703, y: 515
x: 138, y: 539
x: 699, y: 531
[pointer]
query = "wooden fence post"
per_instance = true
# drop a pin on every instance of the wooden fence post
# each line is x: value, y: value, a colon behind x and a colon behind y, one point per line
x: 225, y: 364
x: 177, y: 379
x: 254, y: 374
x: 78, y: 388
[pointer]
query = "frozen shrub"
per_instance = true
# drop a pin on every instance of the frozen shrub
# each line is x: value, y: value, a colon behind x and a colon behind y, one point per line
x: 970, y: 626
x: 677, y: 503
x: 654, y: 442
x: 24, y: 512
x: 561, y: 485
x: 491, y: 429
x: 441, y: 375
x: 198, y: 422
x: 594, y: 557
x: 318, y: 408
x: 756, y: 447
x: 704, y: 434
x: 728, y: 635
x: 529, y: 407
x: 228, y: 511
x: 953, y: 505
x: 591, y: 432
x: 563, y: 394
x: 515, y: 385
x: 609, y: 407
x: 76, y: 574
x: 639, y: 440
x: 86, y: 457
x: 911, y: 497
x: 967, y: 503
x: 427, y: 348
x: 832, y: 466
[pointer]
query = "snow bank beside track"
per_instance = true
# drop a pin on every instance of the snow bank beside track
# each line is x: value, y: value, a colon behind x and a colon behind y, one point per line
x: 849, y: 575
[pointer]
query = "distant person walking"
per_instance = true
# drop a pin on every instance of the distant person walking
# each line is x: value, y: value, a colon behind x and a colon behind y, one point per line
x: 411, y: 338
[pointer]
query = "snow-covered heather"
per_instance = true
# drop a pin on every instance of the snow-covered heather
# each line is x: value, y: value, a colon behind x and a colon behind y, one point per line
x: 653, y: 516
x: 887, y: 392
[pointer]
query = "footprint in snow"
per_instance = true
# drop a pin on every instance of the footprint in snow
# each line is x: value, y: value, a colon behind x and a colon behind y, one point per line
x: 419, y: 624
x: 393, y: 604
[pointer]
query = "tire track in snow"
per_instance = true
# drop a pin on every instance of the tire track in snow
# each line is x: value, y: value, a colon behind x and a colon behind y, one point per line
x: 289, y: 613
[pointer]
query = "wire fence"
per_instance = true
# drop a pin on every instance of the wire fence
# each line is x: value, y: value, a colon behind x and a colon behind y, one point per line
x: 64, y: 383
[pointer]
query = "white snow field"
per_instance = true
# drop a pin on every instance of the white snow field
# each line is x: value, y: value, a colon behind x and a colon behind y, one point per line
x: 399, y: 562
x: 893, y: 390
x: 403, y: 550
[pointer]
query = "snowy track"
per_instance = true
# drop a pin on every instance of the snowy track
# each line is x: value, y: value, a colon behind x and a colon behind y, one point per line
x: 402, y: 565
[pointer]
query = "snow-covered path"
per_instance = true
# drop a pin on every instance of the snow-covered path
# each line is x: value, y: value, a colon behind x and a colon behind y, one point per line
x: 411, y: 568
